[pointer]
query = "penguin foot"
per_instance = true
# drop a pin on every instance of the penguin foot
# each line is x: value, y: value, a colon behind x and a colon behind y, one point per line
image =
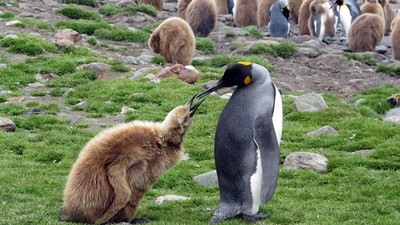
x: 252, y: 218
x: 140, y: 220
x: 223, y: 213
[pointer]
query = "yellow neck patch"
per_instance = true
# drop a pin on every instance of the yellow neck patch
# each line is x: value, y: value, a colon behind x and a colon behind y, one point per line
x: 245, y: 63
x: 247, y: 80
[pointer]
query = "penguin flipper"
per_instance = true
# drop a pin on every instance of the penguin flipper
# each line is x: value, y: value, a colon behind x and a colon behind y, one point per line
x: 267, y: 142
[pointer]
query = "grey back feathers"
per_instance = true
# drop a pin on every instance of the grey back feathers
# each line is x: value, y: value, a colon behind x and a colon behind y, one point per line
x: 279, y: 19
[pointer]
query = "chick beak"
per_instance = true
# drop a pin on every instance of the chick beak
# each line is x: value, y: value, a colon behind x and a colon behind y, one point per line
x: 333, y: 6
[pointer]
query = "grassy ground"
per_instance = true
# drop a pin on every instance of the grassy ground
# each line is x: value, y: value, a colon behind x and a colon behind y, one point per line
x: 36, y: 159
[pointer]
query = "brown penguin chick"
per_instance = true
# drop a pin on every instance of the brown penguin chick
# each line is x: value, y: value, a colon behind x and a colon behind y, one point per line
x: 326, y: 23
x: 222, y: 6
x: 263, y: 12
x: 174, y: 40
x: 182, y: 6
x: 201, y: 16
x: 394, y: 100
x: 245, y: 13
x: 395, y: 38
x: 304, y: 17
x: 372, y: 6
x: 366, y: 32
x: 158, y: 4
x: 294, y: 6
x: 388, y: 14
x: 119, y: 165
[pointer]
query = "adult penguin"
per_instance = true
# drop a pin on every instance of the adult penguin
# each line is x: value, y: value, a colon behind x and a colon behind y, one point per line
x: 347, y: 11
x: 278, y: 25
x: 247, y: 142
x: 322, y: 22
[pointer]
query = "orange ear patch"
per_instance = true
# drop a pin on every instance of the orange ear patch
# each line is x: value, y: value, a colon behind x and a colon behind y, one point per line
x: 247, y: 80
x: 245, y: 63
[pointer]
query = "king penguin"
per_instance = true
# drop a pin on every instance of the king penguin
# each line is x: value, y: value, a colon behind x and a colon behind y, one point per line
x: 278, y: 25
x: 247, y: 142
x: 347, y: 11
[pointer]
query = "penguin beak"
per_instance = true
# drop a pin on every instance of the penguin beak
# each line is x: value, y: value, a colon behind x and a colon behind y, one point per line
x: 193, y: 108
x: 210, y: 90
x: 333, y: 6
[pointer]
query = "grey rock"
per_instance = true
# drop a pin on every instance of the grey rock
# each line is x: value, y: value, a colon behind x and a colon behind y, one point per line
x: 393, y: 112
x: 7, y: 125
x: 68, y: 34
x: 160, y: 200
x: 35, y: 85
x: 13, y: 23
x: 12, y: 36
x: 327, y: 130
x: 209, y: 179
x: 142, y: 72
x: 309, y: 52
x: 306, y: 160
x: 35, y: 112
x: 310, y: 102
x: 3, y: 66
x: 126, y: 3
x: 97, y: 67
x: 364, y: 152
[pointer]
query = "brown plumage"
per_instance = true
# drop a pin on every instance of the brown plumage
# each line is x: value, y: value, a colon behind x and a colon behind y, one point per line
x: 245, y: 13
x: 328, y: 19
x: 174, y: 40
x: 304, y: 16
x: 182, y: 6
x: 294, y: 6
x: 119, y: 165
x: 394, y: 100
x: 201, y: 16
x: 158, y: 4
x: 366, y: 32
x: 222, y: 6
x: 388, y: 14
x: 372, y: 6
x: 263, y: 12
x: 395, y: 38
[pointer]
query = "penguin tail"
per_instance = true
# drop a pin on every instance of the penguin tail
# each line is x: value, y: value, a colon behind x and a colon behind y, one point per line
x: 223, y: 213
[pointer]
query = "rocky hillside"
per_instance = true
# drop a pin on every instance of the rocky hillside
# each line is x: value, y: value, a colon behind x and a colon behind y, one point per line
x: 316, y: 67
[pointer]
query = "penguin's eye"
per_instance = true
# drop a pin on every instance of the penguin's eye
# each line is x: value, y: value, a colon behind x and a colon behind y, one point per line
x: 247, y: 80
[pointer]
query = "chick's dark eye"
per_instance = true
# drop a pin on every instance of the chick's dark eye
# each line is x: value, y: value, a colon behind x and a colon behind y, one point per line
x: 186, y: 119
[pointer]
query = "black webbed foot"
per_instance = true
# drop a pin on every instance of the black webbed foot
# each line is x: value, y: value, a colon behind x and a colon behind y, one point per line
x: 140, y: 220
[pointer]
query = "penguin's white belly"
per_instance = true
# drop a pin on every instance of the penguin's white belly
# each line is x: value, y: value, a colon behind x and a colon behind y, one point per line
x: 256, y: 183
x: 277, y: 115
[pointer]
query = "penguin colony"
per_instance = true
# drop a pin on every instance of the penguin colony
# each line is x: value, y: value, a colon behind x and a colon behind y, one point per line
x: 104, y: 187
x: 119, y: 165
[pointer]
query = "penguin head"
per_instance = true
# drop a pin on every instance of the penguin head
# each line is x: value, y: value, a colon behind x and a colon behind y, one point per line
x: 238, y: 74
x: 284, y: 6
x: 336, y: 3
x: 394, y: 100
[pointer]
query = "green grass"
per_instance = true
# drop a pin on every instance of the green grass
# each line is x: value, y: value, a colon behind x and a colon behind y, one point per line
x: 366, y: 58
x: 254, y: 31
x: 76, y: 12
x: 109, y: 9
x: 7, y: 15
x: 83, y: 26
x: 284, y: 49
x: 122, y: 34
x: 391, y: 70
x: 158, y: 60
x: 205, y: 45
x: 27, y: 45
x: 92, y: 3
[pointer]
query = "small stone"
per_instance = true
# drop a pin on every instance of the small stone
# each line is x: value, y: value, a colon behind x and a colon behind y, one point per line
x: 13, y: 23
x: 126, y: 109
x: 306, y: 160
x: 209, y: 179
x: 327, y: 130
x: 97, y: 67
x: 7, y: 125
x: 310, y: 102
x: 166, y: 198
x: 364, y: 152
x: 65, y: 44
x: 68, y: 34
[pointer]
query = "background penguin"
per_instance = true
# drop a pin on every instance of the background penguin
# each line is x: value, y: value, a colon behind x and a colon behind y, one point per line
x: 224, y: 6
x: 158, y: 4
x: 245, y: 12
x: 388, y: 14
x: 304, y: 17
x: 366, y: 32
x: 294, y: 6
x: 247, y: 142
x: 182, y: 6
x: 395, y: 37
x: 373, y: 6
x: 201, y: 16
x: 279, y: 19
x: 119, y: 165
x: 174, y: 40
x: 323, y: 20
x: 263, y: 9
x: 347, y: 11
x: 394, y: 99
